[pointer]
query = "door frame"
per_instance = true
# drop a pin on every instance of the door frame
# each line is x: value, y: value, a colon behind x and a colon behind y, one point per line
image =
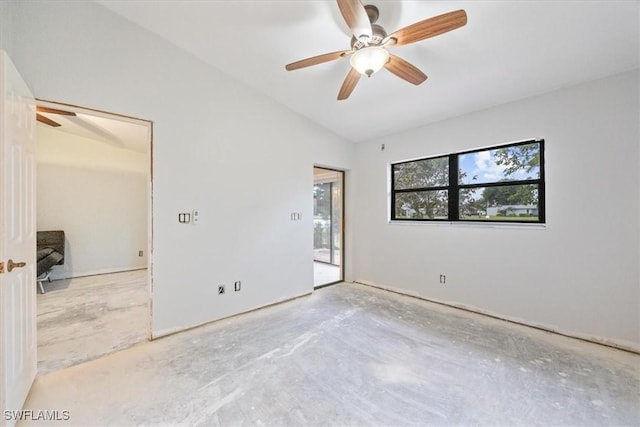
x: 143, y: 122
x: 342, y: 172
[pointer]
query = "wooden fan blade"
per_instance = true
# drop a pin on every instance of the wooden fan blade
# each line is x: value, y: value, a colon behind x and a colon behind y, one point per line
x: 405, y: 70
x: 356, y: 17
x: 349, y: 84
x: 315, y: 60
x: 46, y: 121
x: 430, y: 27
x: 55, y: 111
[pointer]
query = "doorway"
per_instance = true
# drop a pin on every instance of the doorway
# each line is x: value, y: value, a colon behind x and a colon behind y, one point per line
x: 328, y: 226
x: 94, y: 184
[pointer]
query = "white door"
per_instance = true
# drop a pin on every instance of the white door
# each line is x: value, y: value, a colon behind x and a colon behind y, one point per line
x: 17, y: 241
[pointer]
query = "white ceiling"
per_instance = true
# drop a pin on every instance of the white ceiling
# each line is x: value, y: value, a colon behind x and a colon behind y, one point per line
x: 508, y: 50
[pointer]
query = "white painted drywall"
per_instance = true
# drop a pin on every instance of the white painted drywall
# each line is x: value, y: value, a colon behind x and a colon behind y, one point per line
x: 244, y: 161
x: 578, y: 274
x: 97, y: 194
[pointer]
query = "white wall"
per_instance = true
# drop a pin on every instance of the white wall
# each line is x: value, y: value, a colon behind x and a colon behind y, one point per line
x: 243, y: 160
x: 339, y: 155
x: 578, y: 274
x: 97, y: 194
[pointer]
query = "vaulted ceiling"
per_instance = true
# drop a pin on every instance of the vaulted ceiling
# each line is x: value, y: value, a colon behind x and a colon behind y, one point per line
x: 119, y: 132
x: 508, y: 50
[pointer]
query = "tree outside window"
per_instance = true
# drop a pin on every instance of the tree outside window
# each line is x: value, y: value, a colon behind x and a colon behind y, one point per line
x: 498, y: 184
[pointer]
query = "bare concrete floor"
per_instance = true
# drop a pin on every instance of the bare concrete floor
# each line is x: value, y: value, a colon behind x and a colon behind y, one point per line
x: 351, y: 355
x: 84, y: 318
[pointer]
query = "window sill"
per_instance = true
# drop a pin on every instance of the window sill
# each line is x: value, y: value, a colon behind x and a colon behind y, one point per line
x: 470, y: 224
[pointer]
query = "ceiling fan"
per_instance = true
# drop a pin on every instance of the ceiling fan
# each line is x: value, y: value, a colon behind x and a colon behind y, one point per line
x: 369, y: 54
x: 46, y: 120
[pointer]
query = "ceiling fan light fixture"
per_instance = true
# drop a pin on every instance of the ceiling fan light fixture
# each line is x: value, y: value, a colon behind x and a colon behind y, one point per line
x: 368, y: 53
x: 369, y: 60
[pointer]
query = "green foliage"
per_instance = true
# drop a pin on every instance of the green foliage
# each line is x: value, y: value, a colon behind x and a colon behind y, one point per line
x: 510, y: 195
x: 469, y: 204
x: 422, y: 174
x: 519, y: 158
x: 422, y: 205
x: 322, y: 202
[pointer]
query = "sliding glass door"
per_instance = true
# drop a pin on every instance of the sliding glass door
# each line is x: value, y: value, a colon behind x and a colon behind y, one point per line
x: 328, y: 205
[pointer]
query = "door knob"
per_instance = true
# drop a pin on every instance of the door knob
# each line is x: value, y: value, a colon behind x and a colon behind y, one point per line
x: 11, y: 265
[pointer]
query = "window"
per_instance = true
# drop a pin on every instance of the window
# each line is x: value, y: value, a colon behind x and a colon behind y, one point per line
x: 498, y: 184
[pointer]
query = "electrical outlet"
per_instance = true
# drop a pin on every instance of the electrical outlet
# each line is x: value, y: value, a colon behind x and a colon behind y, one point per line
x: 220, y: 289
x: 443, y: 279
x: 140, y: 253
x: 236, y: 286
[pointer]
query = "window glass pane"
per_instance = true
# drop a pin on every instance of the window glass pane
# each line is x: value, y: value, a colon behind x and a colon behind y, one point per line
x: 421, y: 174
x: 322, y: 222
x: 500, y: 203
x: 422, y: 205
x: 514, y: 163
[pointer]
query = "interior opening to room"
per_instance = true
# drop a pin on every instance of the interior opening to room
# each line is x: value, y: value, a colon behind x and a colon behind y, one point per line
x: 93, y: 194
x: 328, y: 236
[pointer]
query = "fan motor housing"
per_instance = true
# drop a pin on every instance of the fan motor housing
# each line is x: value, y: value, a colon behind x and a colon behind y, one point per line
x: 378, y: 34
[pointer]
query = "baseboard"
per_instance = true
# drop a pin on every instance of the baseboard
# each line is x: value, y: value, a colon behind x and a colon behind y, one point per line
x: 60, y: 275
x: 617, y: 344
x: 168, y: 332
